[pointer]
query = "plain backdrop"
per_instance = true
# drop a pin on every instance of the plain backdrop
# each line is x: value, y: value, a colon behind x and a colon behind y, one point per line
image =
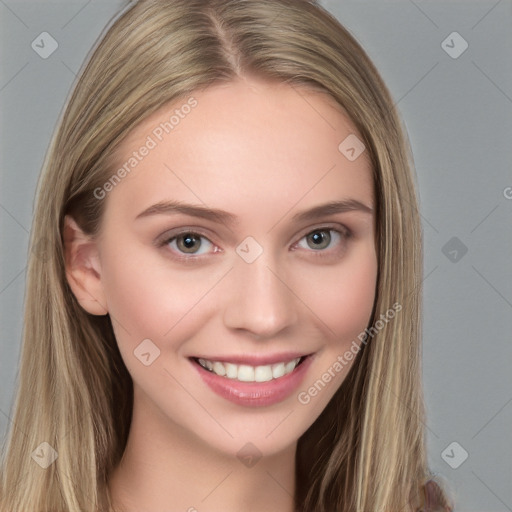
x: 449, y: 68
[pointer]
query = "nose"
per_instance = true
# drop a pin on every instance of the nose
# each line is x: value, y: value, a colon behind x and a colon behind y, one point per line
x: 261, y: 301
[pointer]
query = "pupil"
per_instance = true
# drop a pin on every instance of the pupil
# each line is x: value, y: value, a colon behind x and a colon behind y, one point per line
x: 321, y: 239
x: 189, y: 240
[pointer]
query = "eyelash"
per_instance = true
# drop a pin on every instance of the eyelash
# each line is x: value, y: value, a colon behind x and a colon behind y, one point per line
x: 344, y: 233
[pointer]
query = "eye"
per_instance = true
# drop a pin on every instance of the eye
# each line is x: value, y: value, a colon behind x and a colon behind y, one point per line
x: 189, y: 242
x: 190, y: 245
x: 323, y: 238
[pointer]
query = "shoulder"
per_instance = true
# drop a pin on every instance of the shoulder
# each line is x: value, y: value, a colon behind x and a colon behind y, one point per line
x: 434, y: 499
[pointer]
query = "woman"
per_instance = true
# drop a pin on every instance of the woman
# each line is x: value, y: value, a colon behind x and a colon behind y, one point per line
x: 228, y: 317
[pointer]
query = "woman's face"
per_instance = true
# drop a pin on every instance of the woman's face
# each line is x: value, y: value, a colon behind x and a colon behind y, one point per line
x: 242, y: 262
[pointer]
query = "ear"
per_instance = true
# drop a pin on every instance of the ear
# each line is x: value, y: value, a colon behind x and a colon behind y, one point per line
x: 83, y: 270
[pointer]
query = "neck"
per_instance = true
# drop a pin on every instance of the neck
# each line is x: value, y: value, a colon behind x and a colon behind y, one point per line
x: 166, y: 468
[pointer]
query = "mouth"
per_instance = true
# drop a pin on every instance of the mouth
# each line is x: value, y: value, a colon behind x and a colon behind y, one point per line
x: 249, y: 373
x: 266, y: 382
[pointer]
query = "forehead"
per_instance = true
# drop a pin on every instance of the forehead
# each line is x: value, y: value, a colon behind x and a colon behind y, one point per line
x: 242, y: 140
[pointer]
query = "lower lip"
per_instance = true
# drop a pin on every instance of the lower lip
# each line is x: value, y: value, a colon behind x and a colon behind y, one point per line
x: 255, y: 394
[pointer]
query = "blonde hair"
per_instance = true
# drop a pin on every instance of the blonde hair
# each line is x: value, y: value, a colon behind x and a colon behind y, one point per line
x: 366, y: 451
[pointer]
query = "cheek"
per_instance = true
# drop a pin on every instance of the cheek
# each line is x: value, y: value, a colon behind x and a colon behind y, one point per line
x: 350, y: 307
x: 151, y: 298
x: 344, y: 305
x: 342, y: 296
x: 145, y: 297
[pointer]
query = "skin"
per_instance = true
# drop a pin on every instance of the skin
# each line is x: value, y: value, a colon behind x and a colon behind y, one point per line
x: 263, y: 152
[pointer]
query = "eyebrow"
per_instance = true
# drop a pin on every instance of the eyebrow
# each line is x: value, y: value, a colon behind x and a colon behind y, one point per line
x: 221, y: 216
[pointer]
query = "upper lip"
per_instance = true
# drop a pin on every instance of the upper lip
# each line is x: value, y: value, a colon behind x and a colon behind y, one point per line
x: 256, y: 359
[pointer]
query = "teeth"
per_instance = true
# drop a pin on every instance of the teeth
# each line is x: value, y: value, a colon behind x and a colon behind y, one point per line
x: 278, y: 370
x: 231, y: 370
x: 289, y: 367
x: 219, y: 369
x: 263, y: 373
x: 246, y: 373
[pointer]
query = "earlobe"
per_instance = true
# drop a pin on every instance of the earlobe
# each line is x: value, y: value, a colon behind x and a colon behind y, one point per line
x: 83, y: 271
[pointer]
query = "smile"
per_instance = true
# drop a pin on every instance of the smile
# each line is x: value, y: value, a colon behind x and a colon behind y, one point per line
x: 267, y: 381
x: 248, y: 373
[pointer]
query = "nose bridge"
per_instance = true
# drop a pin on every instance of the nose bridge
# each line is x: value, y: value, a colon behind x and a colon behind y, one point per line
x: 260, y: 301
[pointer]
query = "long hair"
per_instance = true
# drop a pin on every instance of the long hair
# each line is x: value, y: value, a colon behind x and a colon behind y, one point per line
x: 366, y: 451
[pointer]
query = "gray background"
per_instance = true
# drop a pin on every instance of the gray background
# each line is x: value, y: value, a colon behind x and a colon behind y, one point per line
x: 458, y: 112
